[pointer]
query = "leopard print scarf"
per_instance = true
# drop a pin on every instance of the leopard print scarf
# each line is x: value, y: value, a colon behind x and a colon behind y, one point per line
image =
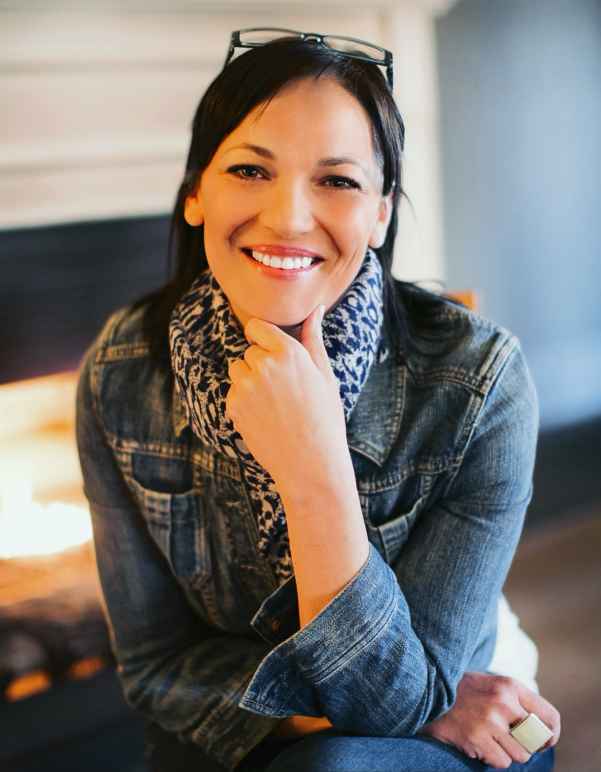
x: 204, y: 334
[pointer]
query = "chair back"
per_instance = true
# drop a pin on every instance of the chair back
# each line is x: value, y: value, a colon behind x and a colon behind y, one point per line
x: 468, y: 297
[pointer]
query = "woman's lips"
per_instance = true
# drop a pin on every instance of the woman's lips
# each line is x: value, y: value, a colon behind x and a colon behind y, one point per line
x: 281, y: 250
x: 281, y: 273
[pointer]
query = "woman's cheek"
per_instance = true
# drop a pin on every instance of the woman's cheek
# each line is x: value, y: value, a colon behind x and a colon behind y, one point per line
x: 355, y: 214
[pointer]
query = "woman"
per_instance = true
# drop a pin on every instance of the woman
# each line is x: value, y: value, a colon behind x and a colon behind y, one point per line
x: 307, y: 479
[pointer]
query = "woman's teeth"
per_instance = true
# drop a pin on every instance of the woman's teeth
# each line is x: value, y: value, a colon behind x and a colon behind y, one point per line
x: 287, y: 263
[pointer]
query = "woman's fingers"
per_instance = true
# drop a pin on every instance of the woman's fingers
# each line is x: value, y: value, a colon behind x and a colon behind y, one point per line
x: 238, y: 371
x: 512, y: 748
x: 266, y: 335
x: 490, y: 752
x: 548, y: 713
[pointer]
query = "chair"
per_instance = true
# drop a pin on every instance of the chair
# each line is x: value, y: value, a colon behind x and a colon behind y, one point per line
x: 469, y: 298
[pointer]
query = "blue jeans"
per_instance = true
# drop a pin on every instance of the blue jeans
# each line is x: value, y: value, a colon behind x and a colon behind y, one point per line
x: 331, y: 751
x: 328, y: 751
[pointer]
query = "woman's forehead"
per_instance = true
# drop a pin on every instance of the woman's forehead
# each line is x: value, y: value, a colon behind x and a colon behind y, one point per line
x: 310, y: 114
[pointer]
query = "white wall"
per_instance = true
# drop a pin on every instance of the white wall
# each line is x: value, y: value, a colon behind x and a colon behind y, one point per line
x: 97, y: 99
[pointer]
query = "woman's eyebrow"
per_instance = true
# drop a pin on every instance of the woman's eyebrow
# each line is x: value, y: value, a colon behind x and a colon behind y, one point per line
x: 262, y: 151
x: 266, y: 153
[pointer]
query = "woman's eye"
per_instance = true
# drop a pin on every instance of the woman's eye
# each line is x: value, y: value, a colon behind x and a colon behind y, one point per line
x: 246, y: 171
x: 336, y: 181
x: 251, y: 172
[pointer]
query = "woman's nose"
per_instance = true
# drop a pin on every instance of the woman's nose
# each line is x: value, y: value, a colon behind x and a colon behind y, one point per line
x: 287, y: 210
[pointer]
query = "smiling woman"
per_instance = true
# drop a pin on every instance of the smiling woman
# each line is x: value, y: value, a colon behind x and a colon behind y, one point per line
x: 307, y: 479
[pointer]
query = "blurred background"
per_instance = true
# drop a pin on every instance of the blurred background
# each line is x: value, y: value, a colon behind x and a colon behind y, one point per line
x: 502, y: 105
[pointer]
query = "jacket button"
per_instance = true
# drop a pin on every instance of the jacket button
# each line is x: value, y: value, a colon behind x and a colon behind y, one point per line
x: 383, y: 354
x: 275, y: 625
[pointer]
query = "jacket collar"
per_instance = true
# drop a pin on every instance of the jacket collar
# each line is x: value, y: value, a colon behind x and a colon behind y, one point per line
x: 367, y: 432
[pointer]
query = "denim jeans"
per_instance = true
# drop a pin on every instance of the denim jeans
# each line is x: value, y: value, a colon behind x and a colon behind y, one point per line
x: 331, y: 751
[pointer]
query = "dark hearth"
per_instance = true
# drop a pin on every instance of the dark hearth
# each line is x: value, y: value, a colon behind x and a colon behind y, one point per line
x: 51, y: 622
x: 60, y: 283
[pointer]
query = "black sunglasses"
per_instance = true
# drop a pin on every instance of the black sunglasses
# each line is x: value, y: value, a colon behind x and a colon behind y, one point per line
x: 353, y: 48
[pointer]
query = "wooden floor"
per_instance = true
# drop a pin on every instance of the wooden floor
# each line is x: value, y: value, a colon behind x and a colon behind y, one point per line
x: 554, y: 586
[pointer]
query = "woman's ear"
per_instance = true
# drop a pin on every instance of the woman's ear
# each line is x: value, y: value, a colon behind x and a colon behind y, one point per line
x: 193, y: 209
x: 378, y: 233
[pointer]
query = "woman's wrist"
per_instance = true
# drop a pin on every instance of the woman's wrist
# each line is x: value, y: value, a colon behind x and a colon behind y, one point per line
x: 297, y: 726
x: 307, y: 490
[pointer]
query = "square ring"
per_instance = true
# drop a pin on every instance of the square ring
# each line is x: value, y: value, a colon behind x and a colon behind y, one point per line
x: 531, y: 733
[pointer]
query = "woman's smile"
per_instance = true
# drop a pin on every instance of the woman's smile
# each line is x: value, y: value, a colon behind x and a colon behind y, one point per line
x: 279, y: 262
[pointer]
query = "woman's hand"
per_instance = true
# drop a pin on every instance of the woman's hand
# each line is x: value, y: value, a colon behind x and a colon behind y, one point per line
x: 285, y: 403
x: 297, y: 726
x: 485, y: 706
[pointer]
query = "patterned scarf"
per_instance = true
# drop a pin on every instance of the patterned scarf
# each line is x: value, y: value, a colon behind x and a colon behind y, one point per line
x: 204, y: 334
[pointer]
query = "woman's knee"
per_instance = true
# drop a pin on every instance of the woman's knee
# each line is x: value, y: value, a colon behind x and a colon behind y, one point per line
x: 329, y: 752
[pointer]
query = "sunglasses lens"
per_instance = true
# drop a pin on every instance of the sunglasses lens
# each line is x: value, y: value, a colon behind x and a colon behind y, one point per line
x: 260, y: 37
x: 354, y: 47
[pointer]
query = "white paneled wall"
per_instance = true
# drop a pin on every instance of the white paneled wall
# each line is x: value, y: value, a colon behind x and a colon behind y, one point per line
x: 97, y: 101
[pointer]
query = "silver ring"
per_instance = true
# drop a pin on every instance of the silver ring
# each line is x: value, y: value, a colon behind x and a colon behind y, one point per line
x: 531, y: 733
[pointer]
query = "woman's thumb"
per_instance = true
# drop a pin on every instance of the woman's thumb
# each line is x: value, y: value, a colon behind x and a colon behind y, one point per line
x: 312, y: 337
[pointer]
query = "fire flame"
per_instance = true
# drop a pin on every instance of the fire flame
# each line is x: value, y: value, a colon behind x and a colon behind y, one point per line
x: 39, y: 465
x: 28, y: 528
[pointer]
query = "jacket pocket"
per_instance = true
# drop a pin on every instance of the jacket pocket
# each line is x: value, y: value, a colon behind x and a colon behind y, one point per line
x: 394, y: 532
x: 177, y: 527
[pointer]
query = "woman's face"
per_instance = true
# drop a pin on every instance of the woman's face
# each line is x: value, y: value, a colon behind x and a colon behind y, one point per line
x: 294, y: 179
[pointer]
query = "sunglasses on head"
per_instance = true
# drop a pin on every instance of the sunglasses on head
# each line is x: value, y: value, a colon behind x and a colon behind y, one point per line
x: 352, y: 48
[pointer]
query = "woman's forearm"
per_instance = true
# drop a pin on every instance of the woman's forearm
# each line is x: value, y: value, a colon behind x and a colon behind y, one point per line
x: 328, y: 540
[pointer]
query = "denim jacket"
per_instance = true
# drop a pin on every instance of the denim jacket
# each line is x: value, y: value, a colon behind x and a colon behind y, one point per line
x: 207, y: 644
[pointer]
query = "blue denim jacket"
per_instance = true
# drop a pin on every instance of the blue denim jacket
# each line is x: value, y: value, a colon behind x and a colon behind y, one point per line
x: 207, y: 644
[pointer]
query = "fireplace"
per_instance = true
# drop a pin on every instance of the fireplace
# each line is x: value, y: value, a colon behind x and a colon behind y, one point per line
x: 51, y: 623
x: 60, y: 283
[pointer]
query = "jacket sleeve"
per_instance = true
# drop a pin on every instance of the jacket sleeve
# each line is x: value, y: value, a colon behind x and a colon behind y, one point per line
x: 174, y: 669
x: 385, y: 656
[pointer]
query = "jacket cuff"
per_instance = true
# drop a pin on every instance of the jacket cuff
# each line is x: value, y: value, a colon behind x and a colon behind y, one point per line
x: 283, y: 682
